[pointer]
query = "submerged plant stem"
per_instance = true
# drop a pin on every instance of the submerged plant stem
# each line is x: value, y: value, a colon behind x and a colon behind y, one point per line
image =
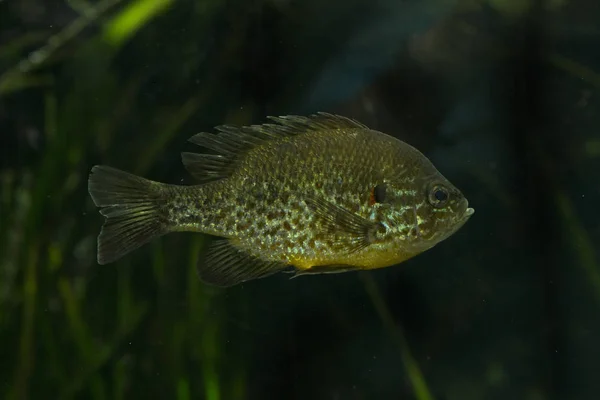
x: 414, y: 372
x: 41, y: 55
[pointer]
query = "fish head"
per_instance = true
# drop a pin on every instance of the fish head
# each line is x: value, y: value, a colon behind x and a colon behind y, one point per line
x: 424, y: 209
x: 441, y: 211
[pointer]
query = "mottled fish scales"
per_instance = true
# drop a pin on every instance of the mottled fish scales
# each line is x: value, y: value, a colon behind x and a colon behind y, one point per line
x: 322, y: 193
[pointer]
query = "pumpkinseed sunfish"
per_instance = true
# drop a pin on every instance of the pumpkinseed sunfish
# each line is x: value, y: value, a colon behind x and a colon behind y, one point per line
x: 322, y: 193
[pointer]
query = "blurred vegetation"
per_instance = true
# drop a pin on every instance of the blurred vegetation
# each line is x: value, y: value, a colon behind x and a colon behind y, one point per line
x: 501, y: 94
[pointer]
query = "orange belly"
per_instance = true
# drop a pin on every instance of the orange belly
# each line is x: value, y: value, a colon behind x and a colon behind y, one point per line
x: 367, y: 259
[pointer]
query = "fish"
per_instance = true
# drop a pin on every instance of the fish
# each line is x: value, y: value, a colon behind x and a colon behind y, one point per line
x: 312, y: 194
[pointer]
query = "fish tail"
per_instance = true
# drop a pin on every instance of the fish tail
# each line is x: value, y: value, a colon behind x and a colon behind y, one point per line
x: 132, y: 207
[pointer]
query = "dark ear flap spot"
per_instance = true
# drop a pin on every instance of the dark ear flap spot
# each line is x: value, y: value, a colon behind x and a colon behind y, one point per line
x: 378, y: 194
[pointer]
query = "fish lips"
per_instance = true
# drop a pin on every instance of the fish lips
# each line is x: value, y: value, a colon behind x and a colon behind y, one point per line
x: 467, y: 213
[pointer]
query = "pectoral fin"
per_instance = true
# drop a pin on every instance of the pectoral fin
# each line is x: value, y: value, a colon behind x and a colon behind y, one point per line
x: 353, y: 230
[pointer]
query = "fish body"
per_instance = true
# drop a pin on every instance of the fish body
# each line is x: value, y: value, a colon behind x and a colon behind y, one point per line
x: 321, y: 193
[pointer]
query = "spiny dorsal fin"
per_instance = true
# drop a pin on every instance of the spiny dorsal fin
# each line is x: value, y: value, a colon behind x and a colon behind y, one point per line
x: 232, y: 142
x: 226, y: 265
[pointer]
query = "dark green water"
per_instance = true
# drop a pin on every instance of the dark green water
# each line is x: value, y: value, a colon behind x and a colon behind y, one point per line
x: 501, y: 95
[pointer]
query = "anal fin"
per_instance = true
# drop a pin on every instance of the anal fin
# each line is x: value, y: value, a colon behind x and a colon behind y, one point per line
x: 224, y: 264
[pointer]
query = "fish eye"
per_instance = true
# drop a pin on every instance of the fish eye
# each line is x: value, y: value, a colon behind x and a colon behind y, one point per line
x: 438, y: 196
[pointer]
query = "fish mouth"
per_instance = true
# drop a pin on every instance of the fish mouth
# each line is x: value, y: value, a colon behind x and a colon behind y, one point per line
x: 464, y: 218
x: 468, y: 211
x: 421, y: 245
x: 459, y: 223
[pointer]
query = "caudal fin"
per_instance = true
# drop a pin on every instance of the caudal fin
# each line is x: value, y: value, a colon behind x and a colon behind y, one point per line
x: 131, y: 205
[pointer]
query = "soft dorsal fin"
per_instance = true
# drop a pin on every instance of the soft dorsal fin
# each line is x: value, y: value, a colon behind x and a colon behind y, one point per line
x: 232, y: 143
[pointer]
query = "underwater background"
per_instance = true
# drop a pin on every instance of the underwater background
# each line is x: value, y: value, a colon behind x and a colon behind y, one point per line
x: 501, y: 95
